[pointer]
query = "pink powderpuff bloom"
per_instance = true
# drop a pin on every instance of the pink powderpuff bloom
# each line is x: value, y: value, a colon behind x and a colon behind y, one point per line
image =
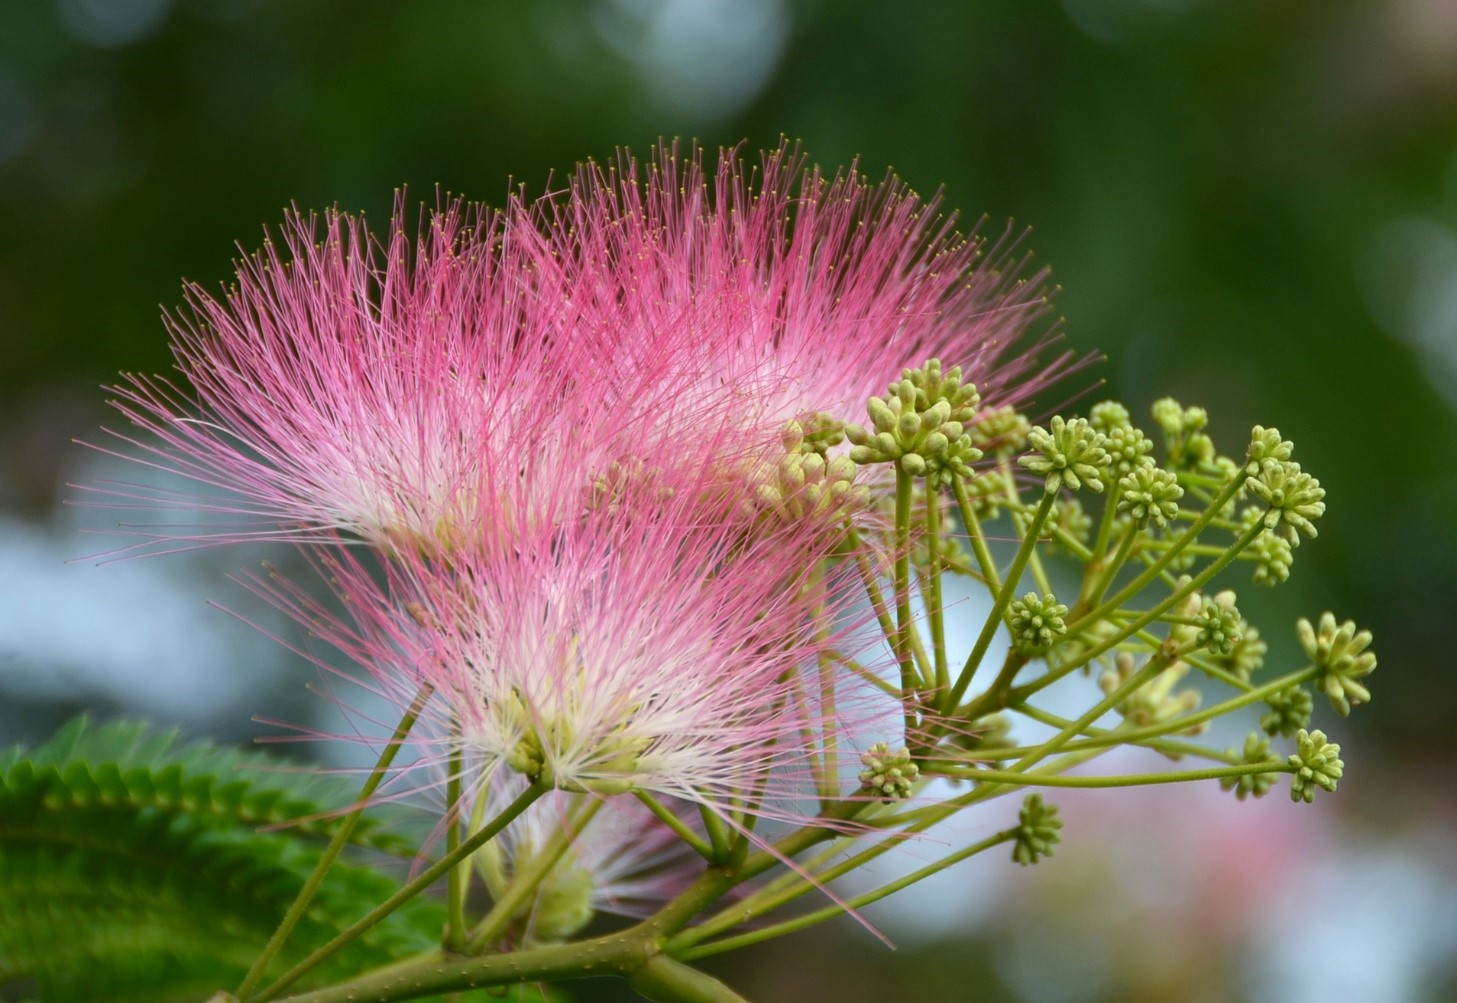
x: 625, y: 861
x: 638, y: 645
x: 372, y: 388
x: 830, y: 285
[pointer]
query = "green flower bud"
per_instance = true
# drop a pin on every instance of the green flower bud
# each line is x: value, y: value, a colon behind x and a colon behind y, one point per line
x: 1247, y: 655
x: 987, y: 493
x: 1256, y: 750
x: 1037, y: 830
x: 1219, y: 627
x: 1339, y: 650
x: 1293, y: 496
x: 1169, y: 415
x: 1128, y: 449
x: 1317, y: 763
x: 920, y: 425
x: 1036, y: 621
x: 1150, y: 493
x: 1107, y: 416
x: 1289, y: 712
x: 1272, y: 555
x: 930, y: 385
x: 815, y: 432
x: 1266, y: 444
x: 890, y: 775
x: 1000, y: 430
x: 1071, y: 453
x: 807, y: 485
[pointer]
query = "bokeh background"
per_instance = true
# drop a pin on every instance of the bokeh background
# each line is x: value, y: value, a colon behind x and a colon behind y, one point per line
x: 1248, y: 204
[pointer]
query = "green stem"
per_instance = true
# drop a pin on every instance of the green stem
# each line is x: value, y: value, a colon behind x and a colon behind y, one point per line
x: 1127, y: 780
x: 1128, y: 630
x: 524, y: 883
x: 865, y: 675
x: 617, y: 954
x: 1110, y: 572
x: 877, y: 603
x: 1018, y: 510
x: 1102, y: 738
x: 833, y: 911
x: 409, y: 891
x: 718, y: 834
x: 1187, y: 721
x: 828, y: 765
x: 1105, y: 524
x: 937, y: 613
x: 902, y: 582
x: 1152, y: 572
x: 336, y: 845
x: 666, y: 980
x: 1004, y: 596
x: 672, y: 821
x: 974, y: 534
x: 459, y: 875
x: 1160, y: 661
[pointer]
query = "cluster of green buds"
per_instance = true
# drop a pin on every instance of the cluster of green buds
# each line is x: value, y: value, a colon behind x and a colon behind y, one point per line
x: 1175, y: 515
x: 889, y: 774
x: 921, y: 425
x: 810, y: 480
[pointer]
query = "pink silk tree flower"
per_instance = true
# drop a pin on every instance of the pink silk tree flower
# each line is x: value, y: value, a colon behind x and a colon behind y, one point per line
x: 641, y: 645
x: 831, y: 284
x: 373, y: 388
x: 621, y: 860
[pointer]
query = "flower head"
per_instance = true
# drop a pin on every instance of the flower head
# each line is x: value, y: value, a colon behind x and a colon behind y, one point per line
x: 642, y: 647
x: 622, y: 860
x: 372, y: 387
x: 828, y: 282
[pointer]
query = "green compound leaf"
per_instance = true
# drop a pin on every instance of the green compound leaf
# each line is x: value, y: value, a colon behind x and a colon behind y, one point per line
x: 132, y: 868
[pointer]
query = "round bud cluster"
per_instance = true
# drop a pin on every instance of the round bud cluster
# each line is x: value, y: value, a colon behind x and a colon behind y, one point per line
x: 1128, y: 449
x: 1266, y: 444
x: 1037, y: 830
x: 987, y: 492
x: 625, y: 483
x: 1256, y: 750
x: 816, y: 432
x: 1219, y: 626
x: 1001, y: 430
x: 1036, y: 621
x: 807, y: 485
x: 1188, y: 445
x: 1149, y: 493
x: 1070, y: 453
x: 1156, y: 701
x: 921, y: 425
x: 1293, y: 496
x: 1339, y: 650
x: 891, y: 775
x: 1248, y: 653
x: 1289, y: 711
x: 1170, y: 416
x: 1317, y: 763
x: 1272, y: 554
x: 1109, y: 415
